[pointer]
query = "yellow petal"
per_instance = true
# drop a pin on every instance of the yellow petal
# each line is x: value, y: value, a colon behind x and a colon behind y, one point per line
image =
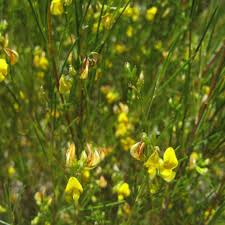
x: 152, y: 173
x: 3, y: 67
x: 153, y: 160
x: 73, y: 185
x: 167, y: 174
x: 56, y: 7
x: 76, y: 196
x: 170, y: 159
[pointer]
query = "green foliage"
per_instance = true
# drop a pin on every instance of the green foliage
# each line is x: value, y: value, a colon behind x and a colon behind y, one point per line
x: 92, y: 90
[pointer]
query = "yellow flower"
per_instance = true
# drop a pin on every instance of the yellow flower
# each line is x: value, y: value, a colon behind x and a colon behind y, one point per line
x: 112, y: 96
x: 150, y: 13
x: 73, y: 189
x: 40, y: 74
x: 127, y: 143
x: 136, y: 13
x: 122, y: 117
x: 86, y: 175
x: 130, y: 31
x: 107, y: 21
x: 65, y: 85
x: 169, y: 163
x: 36, y: 61
x: 165, y: 166
x: 43, y: 62
x: 132, y: 12
x: 56, y: 7
x: 153, y: 164
x: 121, y: 129
x: 3, y: 69
x: 11, y: 171
x: 102, y: 182
x: 123, y: 190
x: 71, y: 155
x: 193, y: 160
x: 153, y: 160
x: 120, y: 48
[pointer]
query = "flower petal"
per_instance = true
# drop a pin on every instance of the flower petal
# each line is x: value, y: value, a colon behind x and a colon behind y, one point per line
x: 167, y: 174
x: 170, y: 159
x: 153, y: 160
x: 73, y: 185
x: 152, y: 173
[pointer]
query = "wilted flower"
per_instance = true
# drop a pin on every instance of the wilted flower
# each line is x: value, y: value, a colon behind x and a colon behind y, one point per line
x: 71, y: 155
x: 136, y: 150
x: 12, y: 54
x: 73, y: 189
x: 91, y: 156
x: 85, y: 69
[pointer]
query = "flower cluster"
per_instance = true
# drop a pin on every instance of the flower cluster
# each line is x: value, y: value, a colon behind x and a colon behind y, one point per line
x: 124, y: 127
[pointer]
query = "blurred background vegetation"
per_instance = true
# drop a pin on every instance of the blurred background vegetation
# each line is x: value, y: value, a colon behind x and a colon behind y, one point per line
x: 97, y: 77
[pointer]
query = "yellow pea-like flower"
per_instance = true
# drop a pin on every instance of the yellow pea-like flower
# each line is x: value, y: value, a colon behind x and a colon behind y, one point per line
x: 153, y: 160
x: 112, y: 96
x: 193, y: 160
x: 3, y: 69
x: 65, y: 85
x: 167, y: 165
x: 56, y: 7
x: 127, y: 142
x: 122, y: 117
x: 43, y: 62
x: 164, y: 166
x: 152, y: 172
x: 73, y: 189
x: 150, y: 13
x: 123, y: 190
